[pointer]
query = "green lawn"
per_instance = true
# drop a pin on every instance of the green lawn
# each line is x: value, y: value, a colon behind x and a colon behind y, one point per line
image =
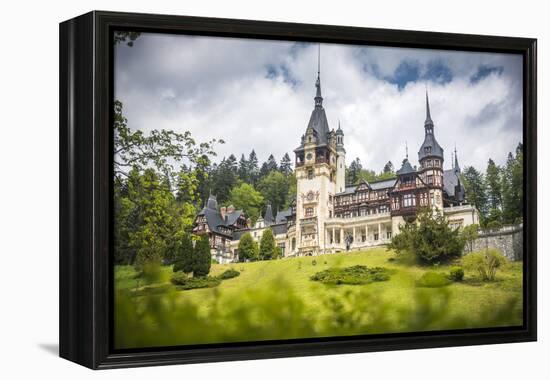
x: 271, y: 294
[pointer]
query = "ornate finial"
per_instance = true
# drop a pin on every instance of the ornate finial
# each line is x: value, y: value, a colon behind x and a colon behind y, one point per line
x: 406, y: 150
x: 456, y: 166
x: 319, y: 60
x: 428, y: 116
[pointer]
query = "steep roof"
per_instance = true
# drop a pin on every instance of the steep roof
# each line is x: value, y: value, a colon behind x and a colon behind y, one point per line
x: 406, y: 168
x: 283, y: 215
x: 268, y: 216
x: 450, y: 182
x: 430, y: 146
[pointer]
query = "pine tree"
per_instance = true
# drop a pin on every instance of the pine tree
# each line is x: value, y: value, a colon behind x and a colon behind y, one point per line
x: 202, y: 258
x: 512, y: 194
x: 388, y: 168
x: 267, y: 245
x: 224, y: 179
x: 286, y: 165
x: 253, y: 169
x: 493, y: 180
x: 271, y: 164
x: 184, y: 255
x: 354, y: 171
x: 475, y: 190
x: 242, y: 171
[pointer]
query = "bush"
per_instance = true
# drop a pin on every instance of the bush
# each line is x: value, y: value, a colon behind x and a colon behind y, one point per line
x: 485, y: 263
x: 355, y: 275
x: 456, y: 274
x: 433, y: 280
x: 184, y: 252
x: 183, y: 282
x: 230, y: 273
x: 430, y: 238
x: 248, y: 248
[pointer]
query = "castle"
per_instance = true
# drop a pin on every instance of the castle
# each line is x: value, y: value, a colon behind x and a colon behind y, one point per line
x: 328, y: 216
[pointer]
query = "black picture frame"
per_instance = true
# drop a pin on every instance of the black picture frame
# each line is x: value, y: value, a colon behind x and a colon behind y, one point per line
x: 86, y: 88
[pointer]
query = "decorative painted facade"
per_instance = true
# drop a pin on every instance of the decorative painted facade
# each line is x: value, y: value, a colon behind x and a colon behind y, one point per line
x: 329, y: 216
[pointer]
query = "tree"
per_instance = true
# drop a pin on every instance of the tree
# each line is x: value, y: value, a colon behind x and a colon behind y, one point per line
x: 245, y: 197
x: 274, y: 188
x: 493, y: 180
x: 224, y: 178
x: 253, y: 169
x: 430, y: 238
x: 388, y: 168
x: 267, y: 245
x: 286, y: 165
x: 159, y: 149
x: 353, y: 172
x: 271, y: 164
x: 469, y: 234
x: 157, y: 222
x: 512, y: 194
x: 125, y: 37
x: 475, y: 190
x: 202, y: 257
x: 248, y: 248
x: 183, y: 261
x: 242, y: 171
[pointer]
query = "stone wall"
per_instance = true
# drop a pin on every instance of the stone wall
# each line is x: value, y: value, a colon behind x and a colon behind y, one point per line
x: 508, y: 240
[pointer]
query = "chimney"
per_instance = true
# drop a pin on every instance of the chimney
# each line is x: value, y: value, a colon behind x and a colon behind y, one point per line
x: 230, y: 209
x: 223, y: 211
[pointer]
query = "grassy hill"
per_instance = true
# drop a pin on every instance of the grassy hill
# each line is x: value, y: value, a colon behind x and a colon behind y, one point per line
x: 268, y: 294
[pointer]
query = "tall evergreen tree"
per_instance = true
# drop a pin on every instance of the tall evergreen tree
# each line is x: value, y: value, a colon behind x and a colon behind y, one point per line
x: 183, y: 261
x: 493, y: 180
x: 354, y: 171
x: 253, y: 169
x: 267, y: 245
x: 202, y: 259
x: 242, y: 171
x: 388, y: 168
x: 271, y: 164
x: 224, y: 179
x: 475, y: 190
x: 274, y: 188
x: 286, y: 165
x: 512, y: 194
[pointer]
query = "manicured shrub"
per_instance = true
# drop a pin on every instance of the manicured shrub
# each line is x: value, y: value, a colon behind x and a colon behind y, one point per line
x: 184, y: 251
x: 456, y: 274
x: 268, y: 247
x: 433, y: 279
x: 485, y: 263
x: 248, y: 248
x: 184, y: 282
x: 355, y: 275
x: 202, y: 257
x: 230, y: 273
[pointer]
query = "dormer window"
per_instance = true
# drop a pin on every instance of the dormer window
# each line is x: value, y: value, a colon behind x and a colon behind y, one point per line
x: 427, y: 149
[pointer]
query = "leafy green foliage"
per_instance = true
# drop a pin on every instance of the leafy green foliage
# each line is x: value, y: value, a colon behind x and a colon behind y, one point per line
x: 430, y: 238
x: 433, y: 279
x: 456, y: 274
x: 229, y: 273
x: 248, y: 248
x: 485, y: 263
x: 246, y: 198
x: 202, y: 257
x: 355, y: 275
x: 183, y: 261
x: 267, y: 245
x: 184, y: 282
x: 274, y: 187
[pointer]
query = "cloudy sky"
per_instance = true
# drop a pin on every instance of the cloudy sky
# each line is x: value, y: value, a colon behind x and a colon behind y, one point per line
x: 258, y: 94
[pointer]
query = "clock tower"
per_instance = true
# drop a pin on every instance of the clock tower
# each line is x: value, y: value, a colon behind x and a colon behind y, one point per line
x: 318, y: 161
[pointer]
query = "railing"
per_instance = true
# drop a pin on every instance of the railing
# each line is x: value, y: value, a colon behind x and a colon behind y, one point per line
x: 359, y: 218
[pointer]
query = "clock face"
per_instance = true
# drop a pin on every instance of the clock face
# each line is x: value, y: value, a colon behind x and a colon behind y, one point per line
x: 310, y: 196
x: 309, y: 156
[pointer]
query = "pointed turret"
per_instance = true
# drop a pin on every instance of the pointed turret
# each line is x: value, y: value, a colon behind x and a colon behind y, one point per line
x: 430, y: 147
x: 318, y: 98
x: 456, y: 167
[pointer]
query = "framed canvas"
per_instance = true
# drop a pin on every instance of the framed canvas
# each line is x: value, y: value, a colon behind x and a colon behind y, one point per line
x: 235, y: 189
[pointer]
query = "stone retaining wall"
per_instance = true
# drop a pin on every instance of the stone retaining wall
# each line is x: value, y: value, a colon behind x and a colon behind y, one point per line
x: 508, y: 240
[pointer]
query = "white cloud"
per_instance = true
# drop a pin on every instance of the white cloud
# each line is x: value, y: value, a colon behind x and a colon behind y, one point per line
x: 259, y: 95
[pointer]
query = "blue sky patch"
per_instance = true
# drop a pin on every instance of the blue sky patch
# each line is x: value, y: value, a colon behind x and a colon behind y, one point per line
x: 484, y: 71
x: 407, y: 71
x: 437, y: 71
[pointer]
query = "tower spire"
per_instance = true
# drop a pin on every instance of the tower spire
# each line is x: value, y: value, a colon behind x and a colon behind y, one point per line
x: 406, y: 150
x: 456, y: 166
x: 428, y: 116
x: 318, y: 98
